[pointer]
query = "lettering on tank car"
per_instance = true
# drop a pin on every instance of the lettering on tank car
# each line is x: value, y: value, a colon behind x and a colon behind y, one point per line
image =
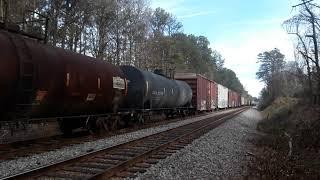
x: 158, y: 93
x: 91, y: 97
x: 118, y: 83
x: 155, y: 98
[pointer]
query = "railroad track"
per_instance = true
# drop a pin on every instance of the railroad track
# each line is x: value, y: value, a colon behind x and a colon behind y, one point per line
x: 31, y: 147
x: 14, y: 150
x: 126, y: 159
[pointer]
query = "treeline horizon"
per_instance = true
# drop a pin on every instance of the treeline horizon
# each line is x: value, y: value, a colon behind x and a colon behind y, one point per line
x: 125, y: 32
x: 298, y: 78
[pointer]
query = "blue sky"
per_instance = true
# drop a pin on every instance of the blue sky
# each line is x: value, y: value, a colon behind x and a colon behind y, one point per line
x: 238, y: 29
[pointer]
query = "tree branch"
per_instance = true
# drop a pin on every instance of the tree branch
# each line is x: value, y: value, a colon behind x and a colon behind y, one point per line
x: 304, y: 2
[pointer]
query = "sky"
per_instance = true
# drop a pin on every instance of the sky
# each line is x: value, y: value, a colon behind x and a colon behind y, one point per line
x: 238, y: 29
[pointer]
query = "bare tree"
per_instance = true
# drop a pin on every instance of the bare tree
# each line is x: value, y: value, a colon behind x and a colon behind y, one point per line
x: 305, y: 26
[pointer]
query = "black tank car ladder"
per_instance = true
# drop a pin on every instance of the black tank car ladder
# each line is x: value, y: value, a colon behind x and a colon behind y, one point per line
x: 25, y: 87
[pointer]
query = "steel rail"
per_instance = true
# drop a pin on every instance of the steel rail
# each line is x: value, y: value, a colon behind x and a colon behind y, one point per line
x: 150, y: 146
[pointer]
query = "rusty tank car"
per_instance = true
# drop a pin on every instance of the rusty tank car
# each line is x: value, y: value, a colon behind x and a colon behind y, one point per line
x: 37, y: 81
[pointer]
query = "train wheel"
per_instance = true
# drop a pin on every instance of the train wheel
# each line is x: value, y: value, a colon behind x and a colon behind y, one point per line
x: 140, y: 119
x: 183, y: 114
x: 114, y: 123
x: 167, y: 115
x: 125, y: 121
x: 65, y: 127
x: 101, y: 125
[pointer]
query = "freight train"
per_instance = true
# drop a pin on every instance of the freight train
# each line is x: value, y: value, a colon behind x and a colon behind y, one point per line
x: 39, y: 81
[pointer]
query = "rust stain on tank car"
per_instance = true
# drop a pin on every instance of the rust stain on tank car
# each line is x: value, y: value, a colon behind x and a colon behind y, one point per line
x: 63, y: 81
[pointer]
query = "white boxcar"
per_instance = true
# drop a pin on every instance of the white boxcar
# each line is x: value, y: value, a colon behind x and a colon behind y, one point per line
x: 222, y: 96
x: 242, y: 101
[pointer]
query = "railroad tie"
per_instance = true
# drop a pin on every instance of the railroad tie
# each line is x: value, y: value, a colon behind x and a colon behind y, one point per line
x: 105, y: 161
x: 135, y: 169
x: 151, y: 161
x: 65, y: 174
x: 126, y: 174
x: 158, y: 156
x: 142, y: 165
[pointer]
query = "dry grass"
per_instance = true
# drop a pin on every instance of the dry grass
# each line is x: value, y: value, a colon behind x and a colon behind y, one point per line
x: 301, y: 123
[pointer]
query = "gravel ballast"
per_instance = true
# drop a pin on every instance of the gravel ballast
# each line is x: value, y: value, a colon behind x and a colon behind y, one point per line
x: 8, y: 168
x: 221, y: 153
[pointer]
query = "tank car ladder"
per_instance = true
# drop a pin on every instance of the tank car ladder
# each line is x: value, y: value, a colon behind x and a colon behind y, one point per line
x: 25, y: 86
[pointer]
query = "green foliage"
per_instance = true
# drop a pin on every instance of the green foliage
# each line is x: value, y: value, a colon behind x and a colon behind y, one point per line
x: 159, y: 20
x: 265, y: 99
x: 270, y: 71
x: 163, y: 23
x: 271, y: 63
x: 275, y: 115
x: 193, y: 54
x: 229, y: 79
x: 129, y: 33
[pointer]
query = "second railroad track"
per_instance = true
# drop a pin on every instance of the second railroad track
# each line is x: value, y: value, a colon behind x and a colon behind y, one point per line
x: 125, y: 160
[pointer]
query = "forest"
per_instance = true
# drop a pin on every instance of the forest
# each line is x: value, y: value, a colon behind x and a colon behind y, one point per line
x: 121, y: 32
x: 289, y: 148
x: 299, y: 77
